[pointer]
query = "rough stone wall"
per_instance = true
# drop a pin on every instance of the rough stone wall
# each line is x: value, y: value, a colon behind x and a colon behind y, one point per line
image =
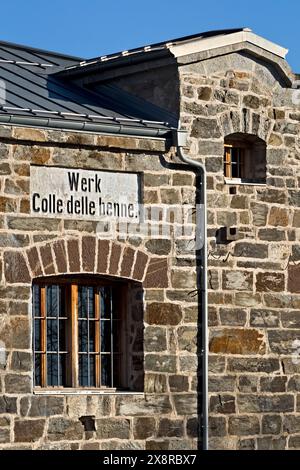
x: 254, y: 282
x: 159, y: 86
x: 165, y: 415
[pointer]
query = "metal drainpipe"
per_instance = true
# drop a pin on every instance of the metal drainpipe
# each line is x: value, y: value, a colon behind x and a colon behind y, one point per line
x: 180, y: 138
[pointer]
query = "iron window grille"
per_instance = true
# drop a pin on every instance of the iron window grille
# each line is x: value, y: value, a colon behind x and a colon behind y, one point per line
x: 78, y: 334
x: 233, y: 161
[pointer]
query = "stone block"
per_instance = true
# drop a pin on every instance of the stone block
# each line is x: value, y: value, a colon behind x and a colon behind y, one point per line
x: 110, y: 428
x: 33, y: 224
x: 237, y: 280
x: 259, y: 213
x: 187, y: 338
x: 273, y: 384
x: 155, y: 339
x: 157, y: 274
x: 294, y: 442
x: 185, y: 403
x: 243, y: 425
x: 159, y: 246
x: 163, y: 314
x: 139, y: 406
x: 60, y: 256
x: 8, y: 405
x: 204, y: 128
x: 4, y: 436
x: 270, y: 281
x: 247, y: 383
x: 73, y: 256
x: 178, y: 383
x: 29, y: 430
x: 127, y: 262
x: 216, y: 364
x: 34, y: 262
x: 261, y: 318
x: 271, y: 424
x: 233, y: 316
x: 155, y: 383
x: 188, y: 364
x: 271, y: 234
x: 222, y: 383
x: 283, y: 341
x: 251, y: 250
x: 294, y: 278
x: 257, y: 364
x: 291, y: 424
x: 21, y: 361
x: 294, y: 383
x: 182, y: 279
x: 217, y: 426
x: 237, y: 341
x: 46, y: 406
x: 223, y: 404
x: 281, y: 403
x: 160, y: 363
x: 7, y: 204
x: 26, y: 133
x: 60, y: 429
x: 294, y: 198
x: 278, y: 217
x: 204, y: 93
x: 47, y: 259
x: 251, y: 101
x: 144, y: 427
x: 15, y: 268
x: 190, y: 314
x: 170, y: 428
x: 271, y: 443
x: 272, y: 195
x: 15, y: 383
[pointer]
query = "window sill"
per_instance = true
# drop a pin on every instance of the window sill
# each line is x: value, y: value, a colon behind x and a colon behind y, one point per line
x: 244, y: 182
x: 80, y: 391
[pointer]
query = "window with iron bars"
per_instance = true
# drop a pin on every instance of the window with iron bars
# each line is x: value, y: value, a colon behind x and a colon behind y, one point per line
x: 245, y: 159
x: 234, y: 161
x: 79, y: 334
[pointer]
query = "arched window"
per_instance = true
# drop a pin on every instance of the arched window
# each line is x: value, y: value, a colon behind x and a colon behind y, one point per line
x: 80, y: 333
x: 244, y: 159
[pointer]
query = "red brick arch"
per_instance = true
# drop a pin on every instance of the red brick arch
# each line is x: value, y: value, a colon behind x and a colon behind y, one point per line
x: 86, y: 254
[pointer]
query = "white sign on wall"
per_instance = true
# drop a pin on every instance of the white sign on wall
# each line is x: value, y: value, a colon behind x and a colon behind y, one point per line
x: 84, y: 194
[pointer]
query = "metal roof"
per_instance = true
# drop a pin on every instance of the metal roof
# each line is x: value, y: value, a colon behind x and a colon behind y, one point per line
x: 40, y: 88
x: 36, y: 96
x: 160, y: 46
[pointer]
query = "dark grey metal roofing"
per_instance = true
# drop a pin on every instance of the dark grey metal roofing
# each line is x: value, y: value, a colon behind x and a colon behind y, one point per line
x: 40, y: 91
x: 36, y: 96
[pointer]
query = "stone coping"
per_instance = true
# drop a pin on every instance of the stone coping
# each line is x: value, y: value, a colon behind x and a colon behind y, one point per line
x: 67, y: 138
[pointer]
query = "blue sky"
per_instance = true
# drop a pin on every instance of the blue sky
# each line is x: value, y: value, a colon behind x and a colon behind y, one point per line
x: 89, y: 28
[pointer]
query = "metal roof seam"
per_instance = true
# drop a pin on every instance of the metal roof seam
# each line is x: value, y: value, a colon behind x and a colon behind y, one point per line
x: 18, y: 62
x: 89, y: 116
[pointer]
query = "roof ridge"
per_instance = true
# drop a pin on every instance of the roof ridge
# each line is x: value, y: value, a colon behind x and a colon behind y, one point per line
x: 157, y: 45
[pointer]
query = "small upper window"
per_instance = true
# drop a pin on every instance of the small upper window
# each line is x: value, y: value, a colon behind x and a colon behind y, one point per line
x: 79, y: 333
x: 244, y: 159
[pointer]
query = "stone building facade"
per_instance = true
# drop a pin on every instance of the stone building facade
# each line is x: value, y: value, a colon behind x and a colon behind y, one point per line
x: 222, y: 88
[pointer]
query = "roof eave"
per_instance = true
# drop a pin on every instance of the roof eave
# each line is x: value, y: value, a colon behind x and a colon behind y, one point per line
x: 111, y: 63
x: 85, y: 126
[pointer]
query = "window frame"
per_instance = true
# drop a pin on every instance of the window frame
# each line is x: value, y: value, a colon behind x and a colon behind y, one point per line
x: 72, y: 337
x: 228, y: 161
x: 248, y: 145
